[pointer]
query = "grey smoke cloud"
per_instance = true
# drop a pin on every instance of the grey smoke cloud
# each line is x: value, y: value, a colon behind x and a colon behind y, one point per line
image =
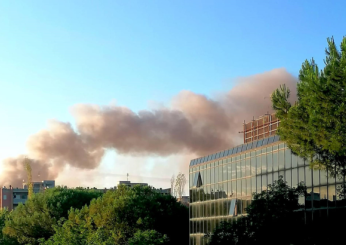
x: 192, y: 123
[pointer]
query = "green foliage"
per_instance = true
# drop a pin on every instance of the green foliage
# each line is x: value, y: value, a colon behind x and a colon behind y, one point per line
x: 315, y: 127
x: 270, y: 212
x: 148, y: 237
x: 5, y: 240
x: 120, y: 214
x: 36, y: 219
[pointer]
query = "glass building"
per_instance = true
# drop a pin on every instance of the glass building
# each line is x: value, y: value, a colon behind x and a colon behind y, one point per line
x: 221, y: 184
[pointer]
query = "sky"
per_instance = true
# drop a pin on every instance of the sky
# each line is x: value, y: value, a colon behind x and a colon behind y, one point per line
x: 140, y: 54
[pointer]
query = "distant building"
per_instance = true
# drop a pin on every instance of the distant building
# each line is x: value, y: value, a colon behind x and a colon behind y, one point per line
x: 10, y: 197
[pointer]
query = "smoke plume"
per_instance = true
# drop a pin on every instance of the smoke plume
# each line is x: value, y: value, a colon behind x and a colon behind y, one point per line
x: 192, y: 123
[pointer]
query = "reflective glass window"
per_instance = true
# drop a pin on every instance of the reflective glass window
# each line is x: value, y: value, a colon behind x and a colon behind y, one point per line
x: 270, y: 179
x: 323, y: 196
x: 253, y: 166
x: 271, y: 140
x: 207, y: 193
x: 265, y: 141
x: 259, y: 183
x: 253, y: 184
x: 239, y: 149
x: 212, y: 211
x: 275, y: 147
x: 301, y: 174
x: 248, y: 187
x: 331, y: 195
x: 282, y: 173
x: 264, y: 163
x: 220, y: 173
x: 259, y: 165
x: 212, y: 175
x: 316, y: 177
x: 270, y: 162
x: 294, y: 161
x: 300, y: 161
x: 288, y: 159
x: 264, y: 182
x: 294, y: 177
x: 323, y: 178
x: 331, y: 180
x: 269, y: 149
x: 242, y: 168
x: 243, y: 186
x: 239, y: 193
x: 229, y: 187
x: 275, y: 162
x: 308, y: 178
x: 224, y: 172
x: 239, y: 207
x: 244, y: 147
x: 234, y: 188
x: 247, y: 167
x: 259, y: 143
x: 208, y: 176
x: 234, y: 171
x: 238, y: 169
x: 249, y: 146
x: 281, y: 160
x: 229, y: 170
x: 288, y: 177
x: 212, y: 192
x: 275, y: 176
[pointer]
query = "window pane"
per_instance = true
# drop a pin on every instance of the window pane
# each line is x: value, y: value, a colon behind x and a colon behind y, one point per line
x: 259, y: 165
x: 275, y: 176
x: 248, y: 167
x: 289, y: 178
x: 264, y: 182
x: 220, y: 173
x: 316, y: 177
x: 229, y: 184
x: 234, y: 188
x: 224, y: 169
x: 270, y: 179
x: 234, y: 171
x: 264, y: 164
x: 229, y: 169
x: 300, y: 161
x: 294, y: 177
x: 270, y: 162
x: 308, y: 180
x: 248, y: 186
x: 281, y: 160
x: 239, y: 188
x: 288, y: 159
x: 331, y: 195
x: 208, y: 176
x: 323, y: 178
x: 301, y: 175
x: 253, y: 184
x: 238, y: 170
x: 323, y: 196
x: 216, y: 174
x: 243, y: 187
x: 212, y: 175
x: 259, y: 184
x: 294, y: 161
x: 242, y: 168
x: 275, y: 162
x: 253, y: 166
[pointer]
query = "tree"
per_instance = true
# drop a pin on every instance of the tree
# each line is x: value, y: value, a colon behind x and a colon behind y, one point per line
x: 119, y: 214
x: 36, y: 218
x: 315, y: 127
x: 4, y: 239
x: 180, y: 184
x: 271, y: 214
x: 148, y: 237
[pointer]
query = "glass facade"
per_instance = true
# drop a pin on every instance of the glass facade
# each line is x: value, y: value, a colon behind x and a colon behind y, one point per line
x: 221, y: 186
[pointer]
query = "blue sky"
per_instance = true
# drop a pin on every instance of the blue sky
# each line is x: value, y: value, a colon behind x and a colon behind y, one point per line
x: 54, y: 54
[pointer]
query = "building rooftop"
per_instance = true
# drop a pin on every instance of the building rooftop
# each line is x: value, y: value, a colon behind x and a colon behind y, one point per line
x: 235, y: 150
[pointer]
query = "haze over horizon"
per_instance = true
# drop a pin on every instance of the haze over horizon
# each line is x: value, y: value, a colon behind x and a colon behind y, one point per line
x: 94, y: 91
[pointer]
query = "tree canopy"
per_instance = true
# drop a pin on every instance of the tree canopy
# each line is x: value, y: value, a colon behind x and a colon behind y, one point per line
x: 126, y: 215
x: 35, y: 219
x: 315, y: 126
